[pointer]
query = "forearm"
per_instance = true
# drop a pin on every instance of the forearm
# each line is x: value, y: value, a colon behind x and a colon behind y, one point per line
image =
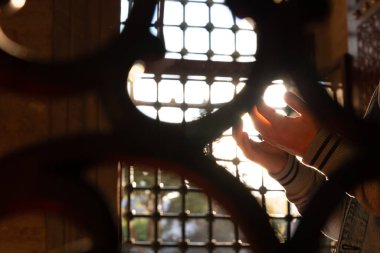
x: 328, y: 152
x: 301, y: 183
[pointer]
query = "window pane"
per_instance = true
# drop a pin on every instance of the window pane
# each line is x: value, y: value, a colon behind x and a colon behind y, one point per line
x: 168, y: 179
x: 251, y: 174
x: 244, y: 23
x: 276, y: 202
x: 170, y: 91
x: 274, y: 95
x: 248, y: 125
x: 224, y: 148
x: 221, y: 16
x: 196, y: 57
x: 142, y: 177
x: 149, y: 111
x: 144, y: 90
x: 270, y: 183
x: 246, y: 42
x: 173, y: 56
x: 170, y: 114
x: 218, y: 209
x: 246, y: 59
x: 197, y: 40
x: 173, y: 39
x: 169, y: 230
x: 223, y: 230
x: 223, y: 58
x: 176, y: 13
x: 197, y: 230
x: 196, y: 92
x: 142, y: 202
x: 222, y: 41
x: 222, y: 92
x: 196, y: 14
x: 170, y: 202
x: 142, y: 229
x: 192, y: 114
x: 196, y: 203
x: 280, y: 228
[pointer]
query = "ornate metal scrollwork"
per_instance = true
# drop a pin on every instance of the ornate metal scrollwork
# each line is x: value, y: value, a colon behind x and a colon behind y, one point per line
x: 52, y: 178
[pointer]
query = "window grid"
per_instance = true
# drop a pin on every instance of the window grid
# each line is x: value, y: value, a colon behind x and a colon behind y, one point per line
x: 149, y: 235
x: 241, y: 37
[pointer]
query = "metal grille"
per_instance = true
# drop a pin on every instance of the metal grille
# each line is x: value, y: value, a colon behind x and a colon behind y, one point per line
x: 166, y: 213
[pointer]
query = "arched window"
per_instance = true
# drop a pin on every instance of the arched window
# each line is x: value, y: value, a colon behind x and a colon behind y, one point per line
x: 207, y: 61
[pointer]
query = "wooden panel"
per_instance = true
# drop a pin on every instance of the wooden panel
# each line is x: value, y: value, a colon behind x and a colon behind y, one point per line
x: 366, y: 73
x: 81, y: 27
x: 23, y: 234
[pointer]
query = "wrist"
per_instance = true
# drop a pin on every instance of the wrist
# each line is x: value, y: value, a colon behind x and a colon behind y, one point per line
x: 321, y: 148
x: 283, y: 166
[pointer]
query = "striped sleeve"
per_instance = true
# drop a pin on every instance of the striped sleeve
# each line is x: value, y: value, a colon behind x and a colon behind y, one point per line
x: 300, y: 182
x: 327, y: 151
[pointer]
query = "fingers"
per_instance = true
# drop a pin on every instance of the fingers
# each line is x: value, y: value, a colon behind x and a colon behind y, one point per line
x: 266, y: 120
x: 242, y: 139
x: 296, y: 103
x: 237, y: 131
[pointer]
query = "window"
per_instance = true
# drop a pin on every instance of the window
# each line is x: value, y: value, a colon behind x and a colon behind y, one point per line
x: 205, y: 66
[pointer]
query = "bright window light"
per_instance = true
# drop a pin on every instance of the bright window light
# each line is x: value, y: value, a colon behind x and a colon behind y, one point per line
x: 176, y: 13
x: 196, y: 14
x: 221, y: 16
x: 17, y: 4
x: 196, y: 40
x: 274, y: 95
x: 198, y: 30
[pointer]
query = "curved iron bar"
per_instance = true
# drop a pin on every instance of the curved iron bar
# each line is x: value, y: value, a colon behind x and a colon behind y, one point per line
x: 166, y: 141
x: 185, y: 143
x: 64, y: 195
x: 87, y: 72
x: 68, y: 157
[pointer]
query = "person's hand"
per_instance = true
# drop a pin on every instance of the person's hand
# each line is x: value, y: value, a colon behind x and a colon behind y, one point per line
x: 268, y: 156
x: 292, y: 134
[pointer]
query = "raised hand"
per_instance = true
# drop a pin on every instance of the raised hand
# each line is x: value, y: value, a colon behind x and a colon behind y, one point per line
x: 292, y: 134
x: 263, y: 153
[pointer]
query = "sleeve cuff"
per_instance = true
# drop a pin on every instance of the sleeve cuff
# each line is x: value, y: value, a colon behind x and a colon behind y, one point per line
x: 321, y: 149
x: 288, y: 174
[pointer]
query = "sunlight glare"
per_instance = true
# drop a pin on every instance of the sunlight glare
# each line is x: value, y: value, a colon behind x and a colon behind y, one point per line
x: 222, y: 92
x: 136, y: 71
x: 171, y: 114
x: 196, y: 92
x: 17, y: 4
x: 274, y: 95
x: 248, y: 125
x: 221, y: 16
x: 196, y: 14
x: 170, y: 91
